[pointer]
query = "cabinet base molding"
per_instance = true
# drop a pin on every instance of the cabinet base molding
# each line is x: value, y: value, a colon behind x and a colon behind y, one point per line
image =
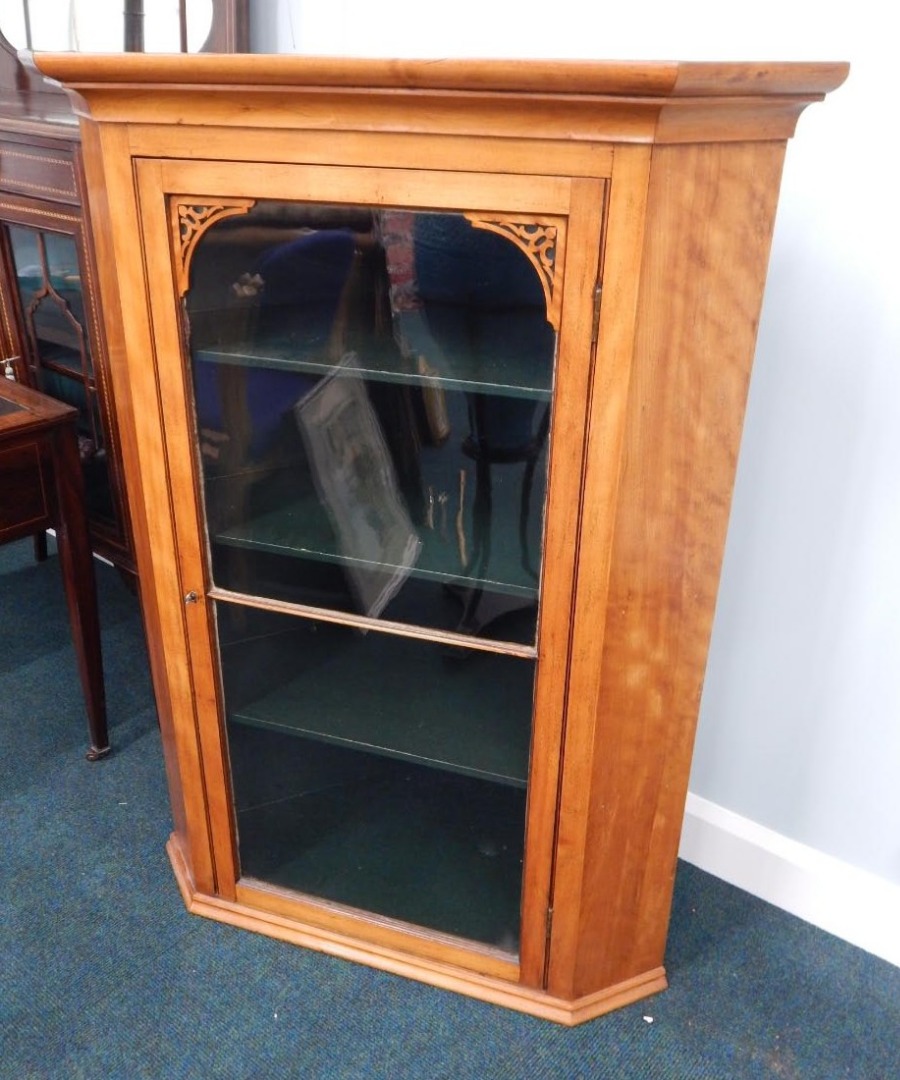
x: 442, y: 976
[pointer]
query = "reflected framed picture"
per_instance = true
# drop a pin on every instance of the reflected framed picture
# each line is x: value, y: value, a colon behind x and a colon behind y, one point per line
x: 357, y: 484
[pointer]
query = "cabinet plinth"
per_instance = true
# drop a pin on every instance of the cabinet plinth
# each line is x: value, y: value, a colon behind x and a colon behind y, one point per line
x: 433, y: 386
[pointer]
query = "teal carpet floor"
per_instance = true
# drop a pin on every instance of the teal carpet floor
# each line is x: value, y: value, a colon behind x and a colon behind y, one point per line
x: 104, y: 975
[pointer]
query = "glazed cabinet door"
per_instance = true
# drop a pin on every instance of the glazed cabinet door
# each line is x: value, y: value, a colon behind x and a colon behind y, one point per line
x: 49, y: 307
x: 373, y: 417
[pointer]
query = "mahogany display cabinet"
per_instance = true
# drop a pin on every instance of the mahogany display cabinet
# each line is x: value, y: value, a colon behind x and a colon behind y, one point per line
x: 51, y: 330
x: 51, y: 325
x: 431, y: 378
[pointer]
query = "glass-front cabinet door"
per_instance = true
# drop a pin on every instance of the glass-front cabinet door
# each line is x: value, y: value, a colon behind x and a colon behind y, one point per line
x: 50, y: 307
x: 369, y: 390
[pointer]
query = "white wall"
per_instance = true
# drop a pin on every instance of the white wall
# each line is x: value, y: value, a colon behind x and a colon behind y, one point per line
x: 799, y: 738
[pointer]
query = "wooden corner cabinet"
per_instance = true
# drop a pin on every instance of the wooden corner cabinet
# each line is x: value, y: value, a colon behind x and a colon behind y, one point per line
x: 431, y: 379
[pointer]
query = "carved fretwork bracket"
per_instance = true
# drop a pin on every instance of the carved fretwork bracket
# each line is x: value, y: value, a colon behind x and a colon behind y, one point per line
x: 190, y: 219
x: 540, y: 241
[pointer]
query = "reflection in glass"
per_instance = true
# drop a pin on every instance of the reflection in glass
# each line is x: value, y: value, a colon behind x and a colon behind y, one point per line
x: 372, y: 394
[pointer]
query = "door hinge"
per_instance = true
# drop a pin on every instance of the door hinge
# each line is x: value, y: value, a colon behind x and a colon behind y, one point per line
x: 549, y: 927
x: 595, y: 329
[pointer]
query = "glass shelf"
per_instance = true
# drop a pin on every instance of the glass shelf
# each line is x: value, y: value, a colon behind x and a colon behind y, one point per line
x: 459, y: 711
x: 505, y: 376
x: 299, y: 530
x: 404, y: 523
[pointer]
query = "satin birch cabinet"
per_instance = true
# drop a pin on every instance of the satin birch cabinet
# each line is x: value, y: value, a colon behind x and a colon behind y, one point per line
x: 431, y: 379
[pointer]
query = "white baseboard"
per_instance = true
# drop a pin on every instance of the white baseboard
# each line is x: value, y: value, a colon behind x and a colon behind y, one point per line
x: 850, y: 903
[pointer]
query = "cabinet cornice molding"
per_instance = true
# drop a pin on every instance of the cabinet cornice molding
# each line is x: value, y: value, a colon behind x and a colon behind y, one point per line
x: 593, y: 77
x: 566, y: 100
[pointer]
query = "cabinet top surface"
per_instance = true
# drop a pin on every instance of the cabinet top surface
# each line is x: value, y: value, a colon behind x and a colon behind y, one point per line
x: 22, y: 408
x: 642, y: 79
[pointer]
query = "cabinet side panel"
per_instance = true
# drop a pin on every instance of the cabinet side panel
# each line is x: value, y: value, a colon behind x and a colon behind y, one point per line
x: 709, y: 224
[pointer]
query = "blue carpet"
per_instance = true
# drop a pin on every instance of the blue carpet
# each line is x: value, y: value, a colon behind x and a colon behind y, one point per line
x: 105, y: 976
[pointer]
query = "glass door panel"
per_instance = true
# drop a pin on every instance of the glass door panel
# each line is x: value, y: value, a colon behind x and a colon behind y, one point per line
x: 51, y: 301
x: 49, y: 279
x: 380, y: 772
x: 372, y: 394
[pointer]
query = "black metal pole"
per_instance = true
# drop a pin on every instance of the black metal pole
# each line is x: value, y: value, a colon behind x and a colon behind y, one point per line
x: 134, y: 25
x: 182, y: 26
